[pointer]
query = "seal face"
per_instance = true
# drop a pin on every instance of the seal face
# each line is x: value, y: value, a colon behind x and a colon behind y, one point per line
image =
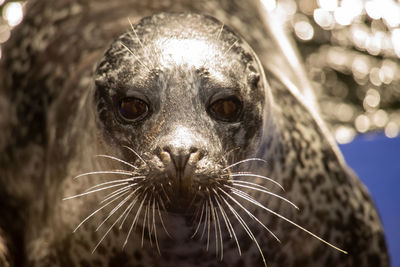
x: 184, y: 91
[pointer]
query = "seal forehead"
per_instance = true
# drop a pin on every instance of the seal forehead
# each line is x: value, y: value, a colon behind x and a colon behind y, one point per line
x: 192, y: 52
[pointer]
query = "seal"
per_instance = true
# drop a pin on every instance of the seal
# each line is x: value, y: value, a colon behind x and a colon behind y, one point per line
x: 177, y: 150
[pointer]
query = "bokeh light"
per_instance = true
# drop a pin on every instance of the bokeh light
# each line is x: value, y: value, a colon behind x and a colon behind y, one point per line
x: 304, y: 30
x: 12, y: 13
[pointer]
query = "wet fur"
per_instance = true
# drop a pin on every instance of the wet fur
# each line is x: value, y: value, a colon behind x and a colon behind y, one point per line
x: 53, y: 119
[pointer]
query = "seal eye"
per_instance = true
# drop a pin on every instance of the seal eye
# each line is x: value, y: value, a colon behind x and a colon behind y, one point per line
x: 132, y: 109
x: 227, y: 109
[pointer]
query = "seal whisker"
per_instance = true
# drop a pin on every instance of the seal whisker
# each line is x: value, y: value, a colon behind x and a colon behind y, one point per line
x: 250, y: 183
x: 129, y: 211
x: 96, y: 211
x: 117, y: 159
x: 144, y: 223
x: 222, y: 213
x: 93, y: 191
x: 162, y: 203
x: 243, y: 161
x: 149, y: 221
x: 137, y: 37
x: 134, y: 220
x: 227, y: 153
x: 192, y: 201
x: 288, y: 220
x: 115, y: 181
x: 226, y: 52
x: 116, y: 192
x: 103, y: 172
x: 229, y: 222
x: 109, y: 229
x: 208, y: 226
x: 198, y: 225
x: 212, y: 210
x: 114, y: 210
x: 150, y: 205
x: 221, y: 246
x: 249, y: 213
x: 137, y: 155
x: 155, y: 227
x: 246, y: 228
x: 220, y: 31
x: 239, y: 174
x: 165, y: 194
x: 162, y: 221
x: 205, y: 220
x: 133, y: 54
x: 220, y: 237
x: 264, y: 191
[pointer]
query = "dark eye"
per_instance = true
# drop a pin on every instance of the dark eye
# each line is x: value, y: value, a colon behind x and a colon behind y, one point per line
x: 132, y: 109
x: 227, y: 109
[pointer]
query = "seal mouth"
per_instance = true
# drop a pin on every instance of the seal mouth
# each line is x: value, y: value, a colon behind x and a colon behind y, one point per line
x: 181, y: 195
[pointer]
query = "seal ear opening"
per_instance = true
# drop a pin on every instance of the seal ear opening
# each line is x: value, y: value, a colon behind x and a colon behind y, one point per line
x: 253, y: 79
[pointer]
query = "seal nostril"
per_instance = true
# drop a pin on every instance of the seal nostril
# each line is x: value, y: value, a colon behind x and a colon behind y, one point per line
x: 180, y: 157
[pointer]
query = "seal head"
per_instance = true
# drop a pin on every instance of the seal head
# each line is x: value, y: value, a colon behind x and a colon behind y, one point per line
x: 185, y: 91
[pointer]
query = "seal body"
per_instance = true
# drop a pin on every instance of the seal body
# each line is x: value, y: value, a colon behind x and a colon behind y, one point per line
x: 164, y: 143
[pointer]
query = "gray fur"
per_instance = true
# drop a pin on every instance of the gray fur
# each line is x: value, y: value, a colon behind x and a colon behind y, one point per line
x: 61, y: 116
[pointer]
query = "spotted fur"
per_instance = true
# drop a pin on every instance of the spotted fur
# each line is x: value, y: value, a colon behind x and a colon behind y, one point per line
x: 57, y: 124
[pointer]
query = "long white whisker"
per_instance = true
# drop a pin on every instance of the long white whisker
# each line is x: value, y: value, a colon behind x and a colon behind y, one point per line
x: 144, y: 223
x: 96, y: 211
x: 250, y: 184
x: 116, y: 192
x: 126, y: 212
x: 220, y: 31
x: 291, y: 222
x: 205, y: 220
x: 137, y: 37
x: 117, y: 159
x: 137, y: 155
x: 220, y: 232
x: 198, y: 225
x: 257, y: 176
x: 103, y: 172
x: 134, y: 220
x: 130, y: 207
x: 266, y: 192
x: 222, y: 213
x: 214, y: 221
x: 109, y: 229
x: 137, y: 58
x: 146, y: 209
x: 226, y: 52
x: 251, y: 215
x: 247, y: 229
x: 114, y: 210
x: 150, y: 231
x: 229, y: 222
x: 243, y: 161
x: 162, y: 221
x: 165, y: 194
x: 155, y: 227
x: 112, y: 182
x: 93, y: 191
x: 208, y: 227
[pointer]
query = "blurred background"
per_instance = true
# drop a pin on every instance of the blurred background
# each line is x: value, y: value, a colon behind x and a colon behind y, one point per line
x: 351, y: 51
